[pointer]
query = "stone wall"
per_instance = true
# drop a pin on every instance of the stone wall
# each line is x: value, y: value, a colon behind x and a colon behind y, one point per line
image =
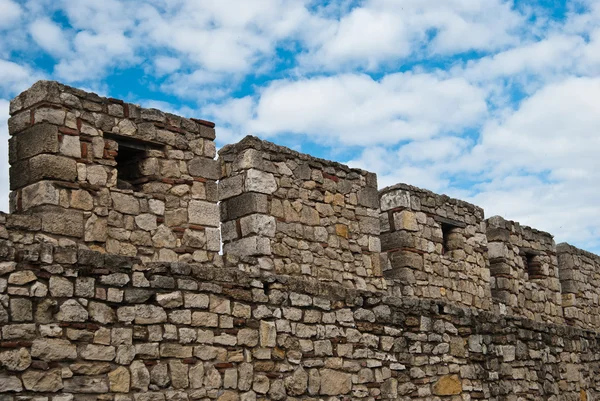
x: 436, y: 246
x: 524, y: 270
x: 120, y: 178
x: 580, y: 282
x: 305, y: 216
x: 302, y: 305
x: 82, y: 325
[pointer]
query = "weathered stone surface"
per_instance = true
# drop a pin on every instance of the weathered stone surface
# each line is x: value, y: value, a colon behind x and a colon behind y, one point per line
x: 118, y: 380
x: 203, y: 213
x: 40, y: 193
x: 447, y: 385
x: 53, y: 349
x: 60, y: 221
x: 204, y: 167
x: 9, y: 383
x: 259, y: 181
x: 42, y: 381
x: 334, y: 382
x: 52, y: 167
x: 72, y: 311
x: 86, y: 384
x: 15, y: 360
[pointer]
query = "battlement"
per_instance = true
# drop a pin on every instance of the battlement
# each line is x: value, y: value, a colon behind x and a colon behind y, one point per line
x: 119, y: 178
x: 113, y: 285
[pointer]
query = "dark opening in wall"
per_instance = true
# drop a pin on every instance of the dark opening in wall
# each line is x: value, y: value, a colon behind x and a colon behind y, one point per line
x: 449, y: 237
x: 131, y: 154
x: 533, y: 265
x: 128, y: 166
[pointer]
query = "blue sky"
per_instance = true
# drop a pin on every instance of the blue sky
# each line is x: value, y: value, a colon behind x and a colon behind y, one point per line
x: 495, y: 102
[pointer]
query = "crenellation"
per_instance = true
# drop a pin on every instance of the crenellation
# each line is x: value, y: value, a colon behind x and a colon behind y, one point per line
x: 435, y: 245
x: 112, y: 285
x: 302, y: 215
x: 524, y: 269
x: 143, y: 182
x: 580, y: 282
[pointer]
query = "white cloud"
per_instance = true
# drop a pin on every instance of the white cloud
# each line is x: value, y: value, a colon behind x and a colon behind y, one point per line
x: 15, y: 78
x: 355, y: 109
x: 383, y: 31
x: 49, y: 36
x: 166, y: 65
x: 11, y: 13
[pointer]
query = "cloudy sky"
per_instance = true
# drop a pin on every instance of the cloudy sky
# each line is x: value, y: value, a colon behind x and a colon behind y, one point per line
x: 495, y: 102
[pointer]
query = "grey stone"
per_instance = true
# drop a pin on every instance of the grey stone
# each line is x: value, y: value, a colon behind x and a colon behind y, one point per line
x: 204, y: 167
x: 38, y: 139
x: 244, y: 204
x: 52, y: 167
x: 61, y: 221
x: 203, y: 213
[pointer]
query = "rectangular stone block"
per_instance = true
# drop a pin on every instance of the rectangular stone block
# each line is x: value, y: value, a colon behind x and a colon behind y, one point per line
x: 231, y: 186
x: 397, y: 239
x: 52, y: 167
x: 19, y: 174
x: 203, y: 213
x: 249, y: 246
x: 41, y: 138
x: 205, y: 168
x: 61, y: 221
x: 243, y: 205
x: 40, y: 193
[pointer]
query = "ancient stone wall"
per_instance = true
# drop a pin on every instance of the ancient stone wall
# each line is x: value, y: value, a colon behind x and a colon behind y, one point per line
x: 580, y: 281
x: 436, y: 246
x: 79, y: 324
x: 524, y: 271
x: 120, y: 178
x: 113, y: 289
x: 305, y: 216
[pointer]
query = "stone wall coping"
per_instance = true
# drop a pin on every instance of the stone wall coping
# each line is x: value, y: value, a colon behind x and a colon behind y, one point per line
x: 565, y: 247
x: 426, y: 192
x: 253, y: 142
x: 533, y: 231
x: 45, y: 91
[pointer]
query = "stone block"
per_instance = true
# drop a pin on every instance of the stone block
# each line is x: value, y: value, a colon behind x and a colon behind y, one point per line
x: 259, y: 224
x: 43, y: 381
x: 52, y: 167
x: 19, y: 174
x: 405, y: 220
x: 203, y: 213
x: 38, y: 139
x: 41, y: 91
x: 249, y: 246
x: 243, y: 205
x: 397, y: 239
x: 394, y: 199
x: 61, y: 221
x: 70, y: 146
x: 19, y: 122
x: 368, y: 197
x: 40, y: 193
x: 125, y: 203
x: 231, y: 186
x: 205, y: 168
x: 259, y: 181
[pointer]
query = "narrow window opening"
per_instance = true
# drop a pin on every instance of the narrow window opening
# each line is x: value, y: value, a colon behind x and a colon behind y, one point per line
x: 533, y: 265
x: 128, y: 160
x: 449, y: 240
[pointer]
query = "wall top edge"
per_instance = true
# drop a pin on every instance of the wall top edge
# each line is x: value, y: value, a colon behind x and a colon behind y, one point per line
x: 426, y: 192
x: 253, y: 142
x: 50, y: 91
